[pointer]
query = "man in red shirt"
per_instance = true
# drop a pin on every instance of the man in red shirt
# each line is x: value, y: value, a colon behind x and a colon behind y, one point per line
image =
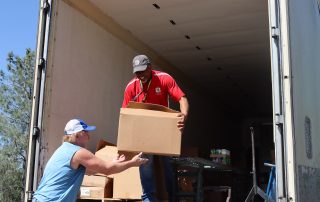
x: 155, y: 87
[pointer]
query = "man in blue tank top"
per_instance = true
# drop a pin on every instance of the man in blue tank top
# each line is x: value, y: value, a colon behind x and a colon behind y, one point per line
x: 65, y: 169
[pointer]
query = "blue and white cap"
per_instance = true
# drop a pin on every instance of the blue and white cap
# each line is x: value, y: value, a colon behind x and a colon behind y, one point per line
x: 77, y: 125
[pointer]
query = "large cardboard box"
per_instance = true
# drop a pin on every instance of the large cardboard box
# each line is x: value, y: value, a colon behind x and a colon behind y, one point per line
x: 149, y: 128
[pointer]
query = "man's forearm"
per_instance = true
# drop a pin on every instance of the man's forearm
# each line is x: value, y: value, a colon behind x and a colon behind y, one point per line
x: 117, y: 167
x: 184, y: 105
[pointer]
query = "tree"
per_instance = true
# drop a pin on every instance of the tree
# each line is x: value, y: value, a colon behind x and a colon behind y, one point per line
x: 15, y: 113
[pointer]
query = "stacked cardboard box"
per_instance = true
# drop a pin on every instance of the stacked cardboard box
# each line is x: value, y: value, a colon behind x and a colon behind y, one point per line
x: 126, y: 185
x: 94, y: 186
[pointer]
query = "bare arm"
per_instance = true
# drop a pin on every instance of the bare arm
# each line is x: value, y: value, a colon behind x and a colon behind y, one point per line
x: 96, y: 165
x: 184, y: 108
x: 184, y: 105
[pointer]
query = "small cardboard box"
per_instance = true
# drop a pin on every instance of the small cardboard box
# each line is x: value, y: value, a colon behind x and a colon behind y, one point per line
x: 107, y: 152
x: 127, y: 184
x: 149, y: 128
x: 95, y: 181
x: 95, y: 192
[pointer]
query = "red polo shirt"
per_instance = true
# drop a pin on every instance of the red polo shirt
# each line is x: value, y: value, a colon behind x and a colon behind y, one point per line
x: 161, y: 86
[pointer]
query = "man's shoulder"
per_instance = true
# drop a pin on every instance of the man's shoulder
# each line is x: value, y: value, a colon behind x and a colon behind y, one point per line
x: 84, y: 151
x: 162, y: 75
x: 131, y: 83
x: 83, y: 154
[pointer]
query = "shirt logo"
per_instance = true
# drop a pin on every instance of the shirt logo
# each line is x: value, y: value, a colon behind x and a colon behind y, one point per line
x: 158, y: 90
x: 136, y: 62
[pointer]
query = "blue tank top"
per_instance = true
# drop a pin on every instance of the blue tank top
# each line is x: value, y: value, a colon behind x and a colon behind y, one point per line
x: 60, y: 182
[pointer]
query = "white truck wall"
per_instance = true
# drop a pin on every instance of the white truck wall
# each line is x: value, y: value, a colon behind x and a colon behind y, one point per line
x: 87, y: 72
x: 305, y: 60
x: 306, y: 70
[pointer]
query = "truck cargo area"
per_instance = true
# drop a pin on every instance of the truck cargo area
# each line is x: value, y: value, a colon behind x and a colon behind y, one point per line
x: 218, y: 52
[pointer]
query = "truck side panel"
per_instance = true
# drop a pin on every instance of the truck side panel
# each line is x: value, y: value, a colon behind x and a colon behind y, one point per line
x: 304, y: 32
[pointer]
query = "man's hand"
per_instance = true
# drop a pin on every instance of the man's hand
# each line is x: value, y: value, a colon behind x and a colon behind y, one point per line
x: 184, y: 108
x: 181, y: 121
x: 137, y: 160
x: 119, y: 158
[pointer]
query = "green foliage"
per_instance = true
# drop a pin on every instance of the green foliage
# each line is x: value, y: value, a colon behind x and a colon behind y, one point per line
x: 15, y: 112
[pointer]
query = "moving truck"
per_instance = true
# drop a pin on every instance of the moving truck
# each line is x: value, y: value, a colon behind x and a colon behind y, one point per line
x: 242, y: 64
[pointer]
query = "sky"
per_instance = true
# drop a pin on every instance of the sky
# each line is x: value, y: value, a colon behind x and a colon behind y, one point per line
x: 18, y: 27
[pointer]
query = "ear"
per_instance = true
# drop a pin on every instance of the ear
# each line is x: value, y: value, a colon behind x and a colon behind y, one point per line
x: 78, y: 134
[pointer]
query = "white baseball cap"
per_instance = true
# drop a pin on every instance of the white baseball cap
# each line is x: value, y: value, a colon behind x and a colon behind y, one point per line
x: 77, y: 125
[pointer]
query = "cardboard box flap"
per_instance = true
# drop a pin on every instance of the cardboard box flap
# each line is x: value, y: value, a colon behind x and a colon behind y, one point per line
x: 147, y: 113
x: 139, y: 105
x: 102, y: 143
